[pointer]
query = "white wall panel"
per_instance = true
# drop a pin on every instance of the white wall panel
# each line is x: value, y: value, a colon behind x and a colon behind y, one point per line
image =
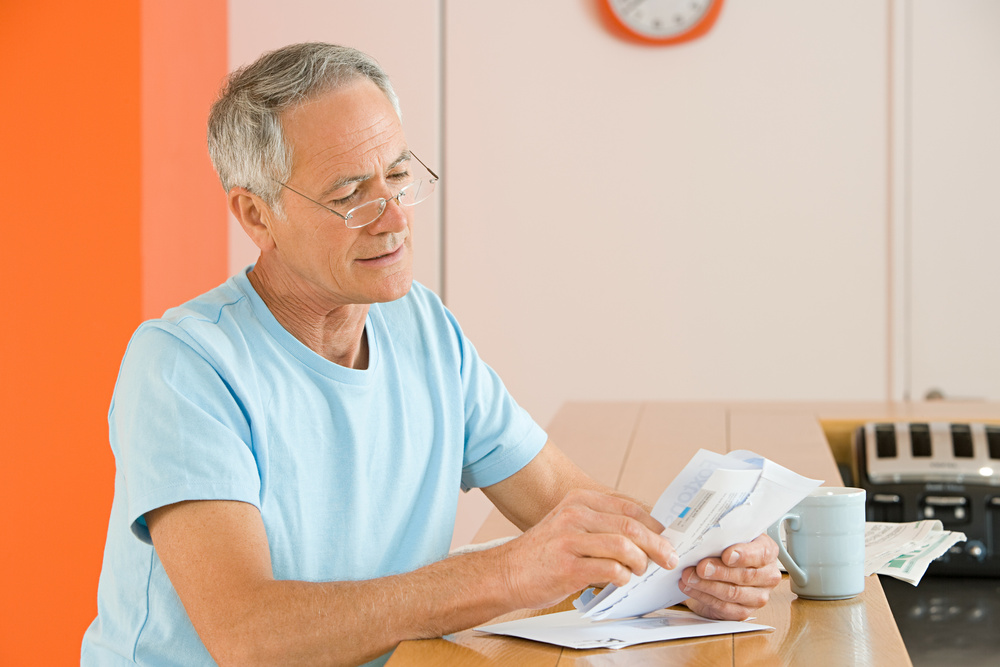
x: 404, y: 37
x: 698, y: 221
x: 955, y: 219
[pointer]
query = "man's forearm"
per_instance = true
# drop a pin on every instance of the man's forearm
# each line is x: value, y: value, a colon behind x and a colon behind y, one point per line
x: 217, y: 557
x: 347, y: 623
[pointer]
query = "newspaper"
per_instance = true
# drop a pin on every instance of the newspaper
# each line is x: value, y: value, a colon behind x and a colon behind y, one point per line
x: 904, y: 550
x: 715, y: 502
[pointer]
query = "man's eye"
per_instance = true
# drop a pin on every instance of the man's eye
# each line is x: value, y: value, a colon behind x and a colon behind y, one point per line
x: 400, y: 176
x: 344, y: 200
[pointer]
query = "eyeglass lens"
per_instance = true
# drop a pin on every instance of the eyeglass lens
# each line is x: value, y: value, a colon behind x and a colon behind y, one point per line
x: 410, y: 195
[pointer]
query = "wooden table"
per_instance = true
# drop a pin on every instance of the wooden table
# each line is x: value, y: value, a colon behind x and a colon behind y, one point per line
x: 638, y: 448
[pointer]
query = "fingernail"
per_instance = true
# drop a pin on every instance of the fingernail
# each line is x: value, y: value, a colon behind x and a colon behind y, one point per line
x: 672, y: 561
x: 693, y: 579
x: 709, y: 569
x: 733, y: 557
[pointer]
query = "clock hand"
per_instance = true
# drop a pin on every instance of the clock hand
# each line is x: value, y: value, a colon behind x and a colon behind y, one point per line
x: 629, y: 5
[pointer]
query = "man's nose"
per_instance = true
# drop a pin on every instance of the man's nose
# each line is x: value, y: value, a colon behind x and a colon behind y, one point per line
x: 393, y: 218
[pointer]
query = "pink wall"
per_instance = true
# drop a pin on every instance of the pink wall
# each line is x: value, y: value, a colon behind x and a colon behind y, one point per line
x: 184, y: 215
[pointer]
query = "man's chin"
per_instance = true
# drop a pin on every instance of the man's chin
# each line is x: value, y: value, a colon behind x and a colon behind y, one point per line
x: 395, y: 287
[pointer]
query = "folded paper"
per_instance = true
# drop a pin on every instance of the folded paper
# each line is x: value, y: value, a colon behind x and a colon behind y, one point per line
x: 715, y: 502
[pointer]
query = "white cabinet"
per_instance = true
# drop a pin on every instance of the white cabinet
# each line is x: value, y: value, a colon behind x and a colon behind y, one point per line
x: 953, y: 198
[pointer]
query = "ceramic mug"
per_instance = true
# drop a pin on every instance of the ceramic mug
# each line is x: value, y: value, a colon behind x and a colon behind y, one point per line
x: 825, y: 535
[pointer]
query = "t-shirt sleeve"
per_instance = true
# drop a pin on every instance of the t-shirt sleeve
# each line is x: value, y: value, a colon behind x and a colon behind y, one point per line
x: 177, y: 430
x: 500, y: 436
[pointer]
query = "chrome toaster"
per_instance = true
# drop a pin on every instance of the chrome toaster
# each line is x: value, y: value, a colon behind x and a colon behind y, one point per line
x: 936, y: 470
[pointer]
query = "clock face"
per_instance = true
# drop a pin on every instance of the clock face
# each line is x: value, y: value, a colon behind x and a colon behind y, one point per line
x: 664, y: 21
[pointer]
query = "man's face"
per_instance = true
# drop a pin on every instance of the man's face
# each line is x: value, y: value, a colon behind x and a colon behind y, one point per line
x: 347, y: 148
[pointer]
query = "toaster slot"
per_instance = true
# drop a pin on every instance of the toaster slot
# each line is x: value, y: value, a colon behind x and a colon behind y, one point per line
x: 920, y: 440
x: 885, y: 441
x: 961, y: 441
x: 993, y: 441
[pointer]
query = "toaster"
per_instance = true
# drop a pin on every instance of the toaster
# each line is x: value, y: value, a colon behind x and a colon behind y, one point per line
x: 935, y: 470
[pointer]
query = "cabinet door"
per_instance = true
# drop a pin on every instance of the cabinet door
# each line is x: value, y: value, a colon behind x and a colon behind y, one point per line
x: 954, y: 198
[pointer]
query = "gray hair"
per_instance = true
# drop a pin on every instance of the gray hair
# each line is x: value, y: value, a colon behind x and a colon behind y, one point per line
x: 245, y: 140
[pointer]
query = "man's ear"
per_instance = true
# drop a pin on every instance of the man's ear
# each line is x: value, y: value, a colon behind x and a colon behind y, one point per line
x: 254, y: 216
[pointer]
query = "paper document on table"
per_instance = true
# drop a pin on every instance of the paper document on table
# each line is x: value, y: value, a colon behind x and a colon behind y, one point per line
x: 904, y: 550
x: 570, y: 629
x: 715, y: 502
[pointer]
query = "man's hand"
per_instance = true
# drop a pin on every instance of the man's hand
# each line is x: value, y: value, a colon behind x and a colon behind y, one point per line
x: 588, y: 537
x: 733, y: 586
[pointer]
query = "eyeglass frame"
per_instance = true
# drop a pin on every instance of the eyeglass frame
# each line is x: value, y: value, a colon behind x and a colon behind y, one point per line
x: 385, y: 202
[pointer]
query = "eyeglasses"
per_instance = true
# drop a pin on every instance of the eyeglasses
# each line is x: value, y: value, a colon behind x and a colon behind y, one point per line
x: 410, y: 194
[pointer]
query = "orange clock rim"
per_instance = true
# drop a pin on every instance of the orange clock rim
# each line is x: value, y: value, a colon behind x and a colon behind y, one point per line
x: 622, y: 30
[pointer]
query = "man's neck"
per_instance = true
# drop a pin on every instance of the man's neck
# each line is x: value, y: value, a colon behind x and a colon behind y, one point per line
x: 336, y: 333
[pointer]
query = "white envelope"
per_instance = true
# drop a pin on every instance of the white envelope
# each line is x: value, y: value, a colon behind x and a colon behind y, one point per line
x: 570, y: 629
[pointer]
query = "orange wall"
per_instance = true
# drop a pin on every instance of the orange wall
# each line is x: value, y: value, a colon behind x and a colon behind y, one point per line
x: 69, y: 131
x: 80, y: 263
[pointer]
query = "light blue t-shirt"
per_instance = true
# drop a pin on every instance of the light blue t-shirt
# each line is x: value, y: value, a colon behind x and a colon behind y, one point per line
x: 356, y: 473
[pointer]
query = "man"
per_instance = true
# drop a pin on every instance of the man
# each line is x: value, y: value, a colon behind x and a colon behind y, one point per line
x: 290, y: 445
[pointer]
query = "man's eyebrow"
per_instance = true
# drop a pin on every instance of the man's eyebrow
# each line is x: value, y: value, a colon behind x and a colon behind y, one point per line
x: 403, y: 157
x: 361, y: 178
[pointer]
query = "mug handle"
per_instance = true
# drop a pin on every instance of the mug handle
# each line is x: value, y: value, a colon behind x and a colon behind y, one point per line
x: 797, y: 574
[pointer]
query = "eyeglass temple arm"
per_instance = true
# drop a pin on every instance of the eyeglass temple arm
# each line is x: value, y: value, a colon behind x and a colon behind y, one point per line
x: 287, y: 187
x: 436, y: 177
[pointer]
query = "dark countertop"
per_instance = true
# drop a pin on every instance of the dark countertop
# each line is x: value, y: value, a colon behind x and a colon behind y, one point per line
x: 947, y: 620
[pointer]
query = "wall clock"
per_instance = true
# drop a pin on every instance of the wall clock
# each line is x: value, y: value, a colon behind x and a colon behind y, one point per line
x: 661, y: 21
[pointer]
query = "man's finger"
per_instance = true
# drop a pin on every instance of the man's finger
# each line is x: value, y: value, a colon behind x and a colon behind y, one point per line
x: 650, y: 544
x: 704, y: 576
x: 713, y: 569
x: 722, y: 611
x: 611, y: 547
x: 602, y: 502
x: 724, y: 595
x: 759, y: 553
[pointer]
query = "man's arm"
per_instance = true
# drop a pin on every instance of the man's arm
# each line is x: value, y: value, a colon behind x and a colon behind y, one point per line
x: 729, y: 587
x: 217, y: 557
x: 537, y: 488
